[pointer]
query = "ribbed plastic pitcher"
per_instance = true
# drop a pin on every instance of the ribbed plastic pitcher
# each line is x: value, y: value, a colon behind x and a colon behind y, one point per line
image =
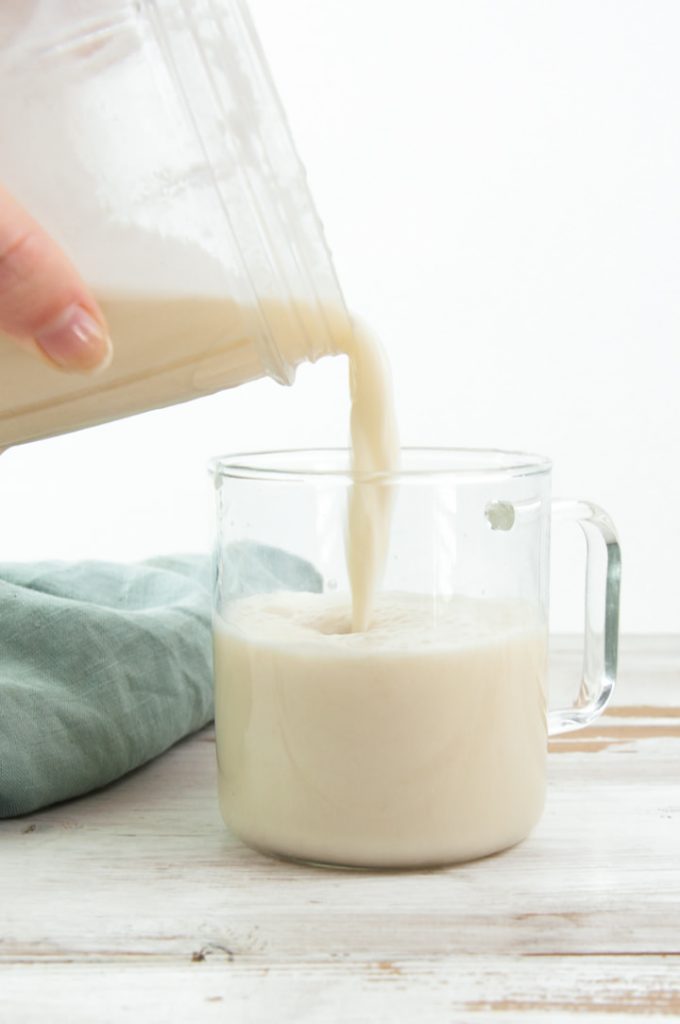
x: 148, y: 138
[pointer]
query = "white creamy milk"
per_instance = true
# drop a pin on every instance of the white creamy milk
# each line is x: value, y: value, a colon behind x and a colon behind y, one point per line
x: 406, y: 745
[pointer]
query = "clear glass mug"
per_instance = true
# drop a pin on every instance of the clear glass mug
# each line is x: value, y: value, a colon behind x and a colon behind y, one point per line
x: 175, y: 187
x: 426, y: 746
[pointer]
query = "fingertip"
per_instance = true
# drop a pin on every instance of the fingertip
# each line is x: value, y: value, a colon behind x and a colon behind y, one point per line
x: 76, y: 341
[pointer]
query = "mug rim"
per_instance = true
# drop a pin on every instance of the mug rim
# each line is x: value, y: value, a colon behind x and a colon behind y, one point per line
x: 289, y: 464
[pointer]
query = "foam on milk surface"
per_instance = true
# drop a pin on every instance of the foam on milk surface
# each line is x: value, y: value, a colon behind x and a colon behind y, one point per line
x: 422, y: 740
x: 400, y: 622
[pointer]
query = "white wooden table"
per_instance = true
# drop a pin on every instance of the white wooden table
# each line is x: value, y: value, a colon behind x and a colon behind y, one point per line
x: 135, y: 904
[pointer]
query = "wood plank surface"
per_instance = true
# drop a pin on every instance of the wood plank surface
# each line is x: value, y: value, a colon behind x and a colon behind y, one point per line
x: 135, y: 904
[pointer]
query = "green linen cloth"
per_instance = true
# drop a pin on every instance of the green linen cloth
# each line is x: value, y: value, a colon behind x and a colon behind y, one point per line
x: 104, y: 666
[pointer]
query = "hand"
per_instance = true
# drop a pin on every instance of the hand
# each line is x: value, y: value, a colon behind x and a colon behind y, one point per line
x: 44, y: 305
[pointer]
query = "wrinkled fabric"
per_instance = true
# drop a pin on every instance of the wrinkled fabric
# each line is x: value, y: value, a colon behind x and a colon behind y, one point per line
x: 104, y: 666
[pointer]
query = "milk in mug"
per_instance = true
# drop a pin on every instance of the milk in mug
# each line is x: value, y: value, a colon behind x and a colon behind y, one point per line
x: 409, y: 744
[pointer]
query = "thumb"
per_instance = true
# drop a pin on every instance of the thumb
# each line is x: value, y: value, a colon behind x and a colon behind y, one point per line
x: 43, y: 302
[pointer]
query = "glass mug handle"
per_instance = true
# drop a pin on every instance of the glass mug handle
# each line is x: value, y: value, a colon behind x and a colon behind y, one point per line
x: 603, y: 585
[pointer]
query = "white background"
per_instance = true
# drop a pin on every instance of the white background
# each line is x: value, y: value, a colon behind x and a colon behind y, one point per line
x: 500, y: 185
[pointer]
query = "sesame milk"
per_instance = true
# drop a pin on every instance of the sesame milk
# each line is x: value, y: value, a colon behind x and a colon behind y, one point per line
x: 405, y: 745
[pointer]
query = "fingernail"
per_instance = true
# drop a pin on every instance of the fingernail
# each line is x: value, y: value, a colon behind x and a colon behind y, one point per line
x: 77, y: 342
